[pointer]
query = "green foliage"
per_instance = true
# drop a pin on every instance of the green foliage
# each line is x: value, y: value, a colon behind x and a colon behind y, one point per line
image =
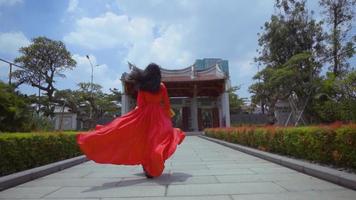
x: 336, y: 98
x: 235, y: 101
x: 339, y: 14
x: 89, y: 98
x: 15, y: 113
x: 293, y: 48
x: 345, y: 153
x: 42, y: 61
x: 21, y: 151
x: 324, y: 144
x: 289, y: 45
x: 41, y: 123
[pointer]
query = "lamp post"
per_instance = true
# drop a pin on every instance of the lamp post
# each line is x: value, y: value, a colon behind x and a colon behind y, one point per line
x: 91, y: 86
x: 92, y: 72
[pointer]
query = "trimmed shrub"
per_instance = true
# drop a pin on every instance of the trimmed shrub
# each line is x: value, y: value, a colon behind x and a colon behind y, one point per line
x: 344, y: 153
x: 21, y: 151
x: 335, y: 144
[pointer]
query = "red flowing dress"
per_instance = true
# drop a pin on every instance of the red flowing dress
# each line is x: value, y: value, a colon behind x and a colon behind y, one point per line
x: 145, y: 136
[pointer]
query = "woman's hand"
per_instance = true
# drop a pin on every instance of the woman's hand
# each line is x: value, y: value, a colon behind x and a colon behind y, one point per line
x: 171, y: 113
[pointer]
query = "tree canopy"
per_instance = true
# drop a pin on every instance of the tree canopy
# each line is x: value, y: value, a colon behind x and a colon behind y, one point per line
x: 43, y: 60
x: 293, y: 50
x: 338, y: 15
x: 90, y: 103
x: 15, y: 110
x: 289, y: 46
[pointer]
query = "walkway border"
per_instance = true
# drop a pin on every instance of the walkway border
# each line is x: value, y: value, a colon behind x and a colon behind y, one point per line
x: 34, y: 173
x: 338, y: 177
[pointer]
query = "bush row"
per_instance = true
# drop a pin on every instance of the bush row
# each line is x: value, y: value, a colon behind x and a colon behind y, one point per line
x: 323, y: 144
x: 21, y: 151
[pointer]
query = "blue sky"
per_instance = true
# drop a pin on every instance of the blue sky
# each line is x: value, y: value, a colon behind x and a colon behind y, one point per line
x: 172, y: 33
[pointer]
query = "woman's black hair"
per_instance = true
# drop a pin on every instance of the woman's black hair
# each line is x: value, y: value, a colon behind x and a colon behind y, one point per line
x: 147, y: 80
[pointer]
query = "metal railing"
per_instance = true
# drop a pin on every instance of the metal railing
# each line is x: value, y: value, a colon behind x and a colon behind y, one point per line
x: 11, y: 65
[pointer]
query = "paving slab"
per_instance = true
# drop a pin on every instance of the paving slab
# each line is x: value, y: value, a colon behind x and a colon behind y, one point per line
x: 308, y: 195
x: 200, y: 169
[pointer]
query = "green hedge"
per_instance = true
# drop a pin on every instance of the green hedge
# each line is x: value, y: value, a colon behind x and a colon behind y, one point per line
x: 323, y: 144
x: 21, y: 151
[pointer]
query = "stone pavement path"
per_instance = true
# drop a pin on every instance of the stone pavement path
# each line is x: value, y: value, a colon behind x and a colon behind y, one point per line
x: 200, y: 169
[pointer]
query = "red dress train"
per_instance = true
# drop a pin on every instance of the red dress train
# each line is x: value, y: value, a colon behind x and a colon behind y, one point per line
x: 143, y: 136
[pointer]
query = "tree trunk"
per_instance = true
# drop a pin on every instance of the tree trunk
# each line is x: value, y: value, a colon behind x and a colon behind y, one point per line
x: 335, y: 42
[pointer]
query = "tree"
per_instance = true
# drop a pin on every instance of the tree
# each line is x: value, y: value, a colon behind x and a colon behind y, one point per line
x: 290, y: 46
x: 68, y: 98
x: 335, y: 94
x: 235, y: 101
x: 15, y: 111
x: 336, y: 100
x: 289, y: 32
x: 43, y: 60
x: 90, y: 105
x: 339, y: 14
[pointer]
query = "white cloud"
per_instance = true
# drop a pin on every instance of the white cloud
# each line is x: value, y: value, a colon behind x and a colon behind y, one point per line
x: 109, y: 31
x: 242, y: 69
x: 134, y: 34
x: 10, y: 43
x: 168, y: 49
x: 73, y: 5
x: 102, y: 74
x: 175, y: 33
x: 10, y: 2
x: 246, y: 65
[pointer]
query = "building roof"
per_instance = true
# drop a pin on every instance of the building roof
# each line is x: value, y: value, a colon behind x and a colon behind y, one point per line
x: 190, y: 74
x: 209, y: 81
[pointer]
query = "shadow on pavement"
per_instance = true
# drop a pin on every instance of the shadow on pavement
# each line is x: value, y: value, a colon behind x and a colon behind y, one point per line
x: 164, y: 179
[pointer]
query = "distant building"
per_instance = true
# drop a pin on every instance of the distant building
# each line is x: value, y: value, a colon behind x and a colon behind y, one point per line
x: 64, y: 119
x: 198, y: 94
x: 205, y: 63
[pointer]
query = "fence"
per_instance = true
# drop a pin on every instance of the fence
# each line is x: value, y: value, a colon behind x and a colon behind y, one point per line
x: 243, y: 118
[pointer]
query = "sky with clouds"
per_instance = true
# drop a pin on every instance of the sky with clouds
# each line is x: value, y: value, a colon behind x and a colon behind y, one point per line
x: 172, y: 33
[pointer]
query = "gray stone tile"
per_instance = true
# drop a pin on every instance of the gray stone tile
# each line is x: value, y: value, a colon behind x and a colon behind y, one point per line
x: 55, y: 199
x: 199, y: 169
x: 107, y: 191
x: 260, y: 177
x: 307, y: 184
x: 137, y: 172
x: 239, y: 165
x: 310, y: 195
x: 206, y: 172
x: 70, y: 182
x: 180, y: 163
x: 187, y: 166
x: 67, y: 174
x: 224, y: 188
x: 27, y: 192
x: 218, y: 197
x: 272, y: 170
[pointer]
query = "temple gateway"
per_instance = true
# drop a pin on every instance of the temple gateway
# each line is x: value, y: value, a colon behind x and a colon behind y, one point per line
x: 198, y: 94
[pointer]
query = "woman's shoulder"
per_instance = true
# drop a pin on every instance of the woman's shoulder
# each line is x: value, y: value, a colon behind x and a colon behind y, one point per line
x: 162, y: 85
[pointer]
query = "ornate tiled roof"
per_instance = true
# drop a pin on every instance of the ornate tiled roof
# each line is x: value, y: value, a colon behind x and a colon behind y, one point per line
x: 189, y: 74
x: 181, y: 82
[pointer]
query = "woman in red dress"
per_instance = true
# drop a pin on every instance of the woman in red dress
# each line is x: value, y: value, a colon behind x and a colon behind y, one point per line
x: 144, y: 136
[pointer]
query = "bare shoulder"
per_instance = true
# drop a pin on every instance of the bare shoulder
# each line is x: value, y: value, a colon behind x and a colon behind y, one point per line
x: 162, y: 85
